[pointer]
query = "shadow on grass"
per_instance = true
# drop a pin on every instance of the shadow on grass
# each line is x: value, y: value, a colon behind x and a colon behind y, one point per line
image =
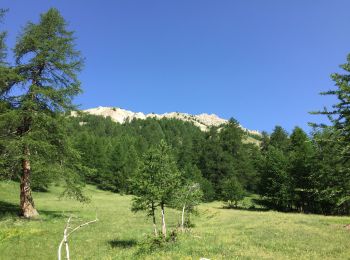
x: 122, y: 243
x: 244, y: 208
x: 12, y: 210
x: 258, y: 205
x: 8, y: 209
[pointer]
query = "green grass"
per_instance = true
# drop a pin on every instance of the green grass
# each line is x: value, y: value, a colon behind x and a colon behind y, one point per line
x: 218, y: 234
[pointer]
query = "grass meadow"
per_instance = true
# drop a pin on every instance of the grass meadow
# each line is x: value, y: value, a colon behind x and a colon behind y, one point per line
x: 119, y: 234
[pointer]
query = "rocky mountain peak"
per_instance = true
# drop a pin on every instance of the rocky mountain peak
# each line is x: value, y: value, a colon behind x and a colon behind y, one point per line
x: 203, y: 121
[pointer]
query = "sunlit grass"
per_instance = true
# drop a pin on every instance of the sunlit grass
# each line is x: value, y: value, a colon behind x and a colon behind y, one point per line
x: 219, y: 233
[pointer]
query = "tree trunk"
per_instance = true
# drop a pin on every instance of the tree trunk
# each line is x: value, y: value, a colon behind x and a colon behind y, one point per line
x: 183, y: 218
x: 163, y: 221
x: 154, y: 221
x: 26, y: 200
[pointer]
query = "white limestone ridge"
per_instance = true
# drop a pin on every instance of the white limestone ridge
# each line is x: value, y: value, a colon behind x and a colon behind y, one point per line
x: 203, y: 121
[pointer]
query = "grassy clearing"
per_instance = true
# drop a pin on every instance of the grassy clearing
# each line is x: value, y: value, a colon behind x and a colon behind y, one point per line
x: 218, y: 234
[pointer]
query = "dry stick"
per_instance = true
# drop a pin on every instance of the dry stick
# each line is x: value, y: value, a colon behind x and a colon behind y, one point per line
x: 64, y: 240
x: 65, y: 236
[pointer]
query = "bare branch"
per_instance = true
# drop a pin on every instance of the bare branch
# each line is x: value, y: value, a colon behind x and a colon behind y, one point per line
x: 64, y: 240
x: 66, y: 235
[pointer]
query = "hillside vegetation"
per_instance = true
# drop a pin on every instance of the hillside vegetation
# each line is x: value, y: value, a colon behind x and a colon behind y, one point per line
x: 137, y: 175
x: 218, y: 233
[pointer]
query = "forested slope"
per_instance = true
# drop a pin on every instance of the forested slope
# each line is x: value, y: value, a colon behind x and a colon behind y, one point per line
x: 291, y: 172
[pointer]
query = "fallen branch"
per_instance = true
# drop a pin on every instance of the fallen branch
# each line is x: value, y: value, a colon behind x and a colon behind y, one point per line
x: 66, y: 235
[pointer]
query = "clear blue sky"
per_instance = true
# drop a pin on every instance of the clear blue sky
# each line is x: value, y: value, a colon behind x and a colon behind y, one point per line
x: 261, y: 62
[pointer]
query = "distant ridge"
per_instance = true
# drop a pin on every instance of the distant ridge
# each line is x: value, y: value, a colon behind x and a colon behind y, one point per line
x: 203, y: 121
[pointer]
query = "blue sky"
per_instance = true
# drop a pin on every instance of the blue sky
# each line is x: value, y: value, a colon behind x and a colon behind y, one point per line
x: 261, y: 62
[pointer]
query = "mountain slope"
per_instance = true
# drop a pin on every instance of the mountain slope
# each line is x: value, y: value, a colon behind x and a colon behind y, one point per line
x: 203, y: 121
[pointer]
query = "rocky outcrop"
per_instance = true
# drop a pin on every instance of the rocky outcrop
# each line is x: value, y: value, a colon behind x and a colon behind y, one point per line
x: 203, y: 121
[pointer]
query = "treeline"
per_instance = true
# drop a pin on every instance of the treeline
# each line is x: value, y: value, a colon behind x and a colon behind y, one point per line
x: 295, y: 172
x: 302, y: 173
x: 114, y: 152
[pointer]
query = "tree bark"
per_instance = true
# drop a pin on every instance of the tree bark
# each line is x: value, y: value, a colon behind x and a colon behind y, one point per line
x: 26, y: 200
x: 163, y: 221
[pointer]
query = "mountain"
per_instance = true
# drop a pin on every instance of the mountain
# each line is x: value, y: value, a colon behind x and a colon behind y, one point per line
x: 203, y: 121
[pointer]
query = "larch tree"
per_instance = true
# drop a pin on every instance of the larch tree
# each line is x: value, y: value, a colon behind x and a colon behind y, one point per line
x: 275, y: 185
x: 300, y: 157
x: 232, y: 192
x: 186, y: 199
x: 327, y: 174
x: 33, y: 123
x: 265, y: 141
x: 8, y: 77
x: 156, y: 182
x: 279, y: 139
x: 339, y: 115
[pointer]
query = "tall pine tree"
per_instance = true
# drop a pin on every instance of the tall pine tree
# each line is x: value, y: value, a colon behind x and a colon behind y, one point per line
x: 47, y: 65
x: 339, y: 115
x: 300, y: 157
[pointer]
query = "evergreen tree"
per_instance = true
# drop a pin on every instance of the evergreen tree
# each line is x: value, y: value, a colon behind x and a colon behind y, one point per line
x: 8, y: 78
x: 8, y: 75
x: 275, y: 185
x: 215, y: 163
x: 123, y: 165
x: 231, y: 137
x: 252, y: 158
x: 300, y: 158
x: 327, y: 173
x: 265, y: 141
x: 279, y: 139
x: 232, y: 192
x: 339, y: 116
x: 156, y: 182
x: 47, y: 64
